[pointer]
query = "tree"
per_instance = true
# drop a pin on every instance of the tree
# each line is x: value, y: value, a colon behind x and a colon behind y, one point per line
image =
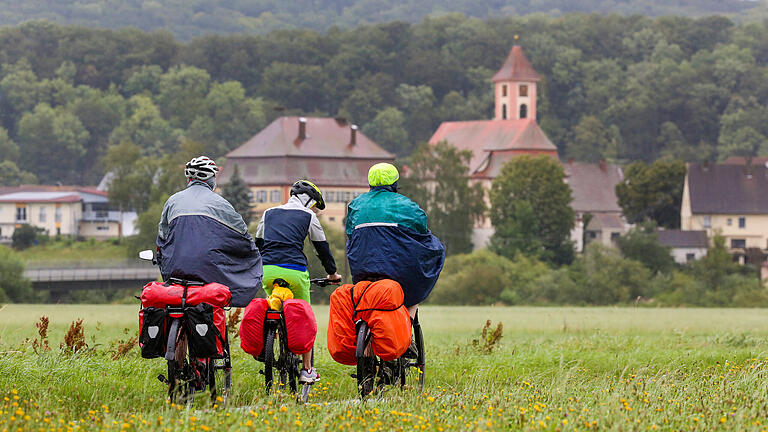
x: 745, y: 142
x: 131, y: 176
x: 603, y: 276
x: 146, y: 128
x: 53, y: 141
x: 238, y: 194
x: 388, y: 131
x: 13, y: 284
x: 652, y: 192
x: 11, y: 175
x: 592, y: 141
x: 532, y: 188
x: 642, y: 244
x: 9, y: 150
x: 438, y: 180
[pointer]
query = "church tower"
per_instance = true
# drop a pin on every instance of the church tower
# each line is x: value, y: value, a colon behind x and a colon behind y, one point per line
x: 515, y: 88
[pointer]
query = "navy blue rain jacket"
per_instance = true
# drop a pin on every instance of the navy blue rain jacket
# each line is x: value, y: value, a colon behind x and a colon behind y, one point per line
x: 201, y: 237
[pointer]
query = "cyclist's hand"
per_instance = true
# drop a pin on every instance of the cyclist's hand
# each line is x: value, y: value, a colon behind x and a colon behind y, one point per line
x: 334, y: 278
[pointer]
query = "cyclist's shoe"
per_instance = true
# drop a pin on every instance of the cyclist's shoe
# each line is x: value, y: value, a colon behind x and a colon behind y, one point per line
x: 308, y: 376
x: 412, y: 352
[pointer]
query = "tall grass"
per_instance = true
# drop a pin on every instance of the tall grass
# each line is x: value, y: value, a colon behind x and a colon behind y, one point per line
x: 554, y: 369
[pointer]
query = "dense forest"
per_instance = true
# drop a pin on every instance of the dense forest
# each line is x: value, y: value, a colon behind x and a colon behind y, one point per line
x: 624, y: 88
x: 193, y: 18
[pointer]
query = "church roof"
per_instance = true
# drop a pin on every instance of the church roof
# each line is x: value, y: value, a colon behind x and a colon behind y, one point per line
x: 325, y: 137
x: 485, y: 136
x: 516, y: 68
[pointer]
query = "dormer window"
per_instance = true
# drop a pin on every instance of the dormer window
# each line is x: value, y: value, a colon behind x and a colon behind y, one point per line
x: 524, y: 90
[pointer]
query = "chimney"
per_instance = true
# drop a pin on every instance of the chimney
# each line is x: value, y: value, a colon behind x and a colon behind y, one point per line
x: 302, y: 128
x: 353, y: 135
x: 603, y: 166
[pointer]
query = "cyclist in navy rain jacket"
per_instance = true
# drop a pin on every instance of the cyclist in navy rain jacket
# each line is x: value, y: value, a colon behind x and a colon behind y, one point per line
x: 201, y: 237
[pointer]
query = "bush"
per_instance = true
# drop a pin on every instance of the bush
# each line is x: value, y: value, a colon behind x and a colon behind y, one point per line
x: 602, y: 276
x: 483, y: 278
x: 642, y: 244
x: 13, y: 285
x: 24, y: 236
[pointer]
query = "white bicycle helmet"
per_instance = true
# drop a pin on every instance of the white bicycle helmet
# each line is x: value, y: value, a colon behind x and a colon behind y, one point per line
x: 201, y: 168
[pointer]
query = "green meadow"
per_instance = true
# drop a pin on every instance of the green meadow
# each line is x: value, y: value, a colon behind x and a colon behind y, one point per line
x: 557, y: 369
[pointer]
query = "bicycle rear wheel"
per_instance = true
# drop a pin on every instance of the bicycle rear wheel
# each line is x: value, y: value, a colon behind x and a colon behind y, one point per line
x: 269, y: 359
x: 366, y: 365
x: 420, y: 356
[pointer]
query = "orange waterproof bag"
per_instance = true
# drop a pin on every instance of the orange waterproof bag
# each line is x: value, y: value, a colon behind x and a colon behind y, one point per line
x: 380, y: 304
x: 341, y: 328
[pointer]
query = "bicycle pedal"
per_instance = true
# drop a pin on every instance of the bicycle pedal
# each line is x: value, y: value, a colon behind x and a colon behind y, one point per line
x: 162, y: 379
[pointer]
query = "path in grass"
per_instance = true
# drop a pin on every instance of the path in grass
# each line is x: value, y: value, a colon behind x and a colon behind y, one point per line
x: 554, y: 369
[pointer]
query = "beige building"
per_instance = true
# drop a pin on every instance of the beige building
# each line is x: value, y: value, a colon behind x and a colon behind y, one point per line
x: 58, y: 210
x: 329, y: 152
x: 730, y: 199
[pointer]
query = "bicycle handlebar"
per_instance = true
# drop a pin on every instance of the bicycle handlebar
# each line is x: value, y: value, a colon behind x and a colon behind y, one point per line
x: 325, y: 282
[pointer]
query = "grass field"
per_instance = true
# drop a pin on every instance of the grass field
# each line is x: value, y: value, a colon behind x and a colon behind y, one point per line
x: 554, y: 369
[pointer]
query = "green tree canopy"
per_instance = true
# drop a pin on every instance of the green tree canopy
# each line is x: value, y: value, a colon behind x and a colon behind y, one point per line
x: 238, y: 194
x: 438, y: 180
x: 652, y: 192
x: 532, y: 188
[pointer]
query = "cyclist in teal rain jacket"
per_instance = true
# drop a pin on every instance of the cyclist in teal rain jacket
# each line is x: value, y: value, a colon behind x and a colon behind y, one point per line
x: 388, y: 238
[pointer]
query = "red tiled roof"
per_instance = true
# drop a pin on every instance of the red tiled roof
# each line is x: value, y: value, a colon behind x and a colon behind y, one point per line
x: 593, y: 186
x: 484, y: 136
x: 516, y: 68
x: 325, y: 137
x: 52, y: 188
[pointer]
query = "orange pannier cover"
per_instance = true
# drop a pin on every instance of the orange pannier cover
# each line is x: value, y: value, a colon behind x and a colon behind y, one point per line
x: 380, y: 304
x: 341, y: 328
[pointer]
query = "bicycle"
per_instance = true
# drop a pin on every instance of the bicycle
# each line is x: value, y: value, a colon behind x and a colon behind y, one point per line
x: 278, y: 356
x: 188, y: 374
x: 370, y: 368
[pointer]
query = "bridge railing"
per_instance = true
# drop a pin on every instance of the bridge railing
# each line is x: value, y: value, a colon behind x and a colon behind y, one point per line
x: 91, y: 274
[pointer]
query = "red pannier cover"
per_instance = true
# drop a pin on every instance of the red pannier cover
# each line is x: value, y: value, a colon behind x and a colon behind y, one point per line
x: 252, y: 327
x: 157, y: 294
x: 300, y: 324
x: 380, y: 304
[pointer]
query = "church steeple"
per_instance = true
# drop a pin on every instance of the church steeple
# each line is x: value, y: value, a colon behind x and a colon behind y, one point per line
x: 515, y: 88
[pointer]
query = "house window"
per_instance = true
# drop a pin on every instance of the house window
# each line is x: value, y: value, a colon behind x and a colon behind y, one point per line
x: 329, y: 196
x: 504, y: 90
x: 102, y: 228
x: 332, y: 219
x: 58, y: 231
x: 742, y: 222
x: 523, y: 111
x: 614, y: 236
x: 690, y: 257
x: 738, y: 243
x: 274, y: 196
x: 347, y: 196
x: 503, y: 111
x: 57, y: 215
x: 707, y: 221
x: 261, y: 196
x: 524, y: 90
x: 729, y: 222
x: 42, y: 214
x: 21, y: 214
x: 592, y: 234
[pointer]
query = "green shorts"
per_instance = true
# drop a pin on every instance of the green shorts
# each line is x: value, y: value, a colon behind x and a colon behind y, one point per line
x: 299, y: 280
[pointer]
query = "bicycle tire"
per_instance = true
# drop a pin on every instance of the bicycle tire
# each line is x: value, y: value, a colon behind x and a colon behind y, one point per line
x: 421, y: 355
x: 269, y: 359
x: 366, y: 365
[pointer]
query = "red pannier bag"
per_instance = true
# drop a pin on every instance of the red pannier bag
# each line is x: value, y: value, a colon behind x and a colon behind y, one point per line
x: 300, y: 325
x: 252, y: 327
x: 380, y: 304
x: 341, y: 329
x: 159, y: 295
